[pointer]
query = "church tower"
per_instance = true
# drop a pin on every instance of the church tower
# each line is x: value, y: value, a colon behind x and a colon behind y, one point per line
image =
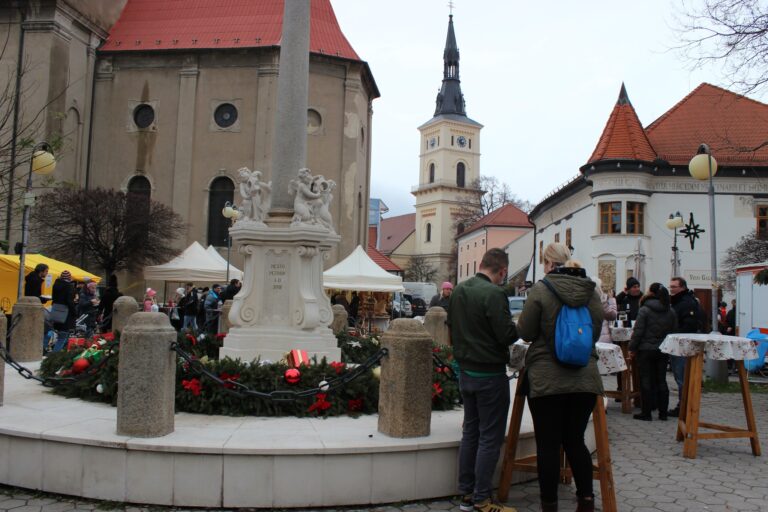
x: 449, y: 168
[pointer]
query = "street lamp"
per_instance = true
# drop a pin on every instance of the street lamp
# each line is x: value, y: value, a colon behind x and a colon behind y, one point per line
x: 230, y: 212
x: 702, y: 167
x: 43, y: 163
x: 675, y: 221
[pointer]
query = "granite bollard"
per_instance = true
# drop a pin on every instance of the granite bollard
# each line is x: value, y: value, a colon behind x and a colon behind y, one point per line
x: 434, y: 323
x: 27, y: 337
x: 340, y: 319
x: 224, y: 323
x: 405, y: 389
x: 122, y: 310
x: 146, y: 392
x: 3, y: 325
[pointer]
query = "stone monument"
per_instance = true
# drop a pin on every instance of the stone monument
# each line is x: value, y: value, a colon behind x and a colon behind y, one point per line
x: 282, y: 305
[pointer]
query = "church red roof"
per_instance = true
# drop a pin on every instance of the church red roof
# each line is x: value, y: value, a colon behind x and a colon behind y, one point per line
x: 508, y: 215
x: 394, y: 231
x: 623, y: 137
x: 733, y: 126
x: 205, y: 24
x: 382, y: 261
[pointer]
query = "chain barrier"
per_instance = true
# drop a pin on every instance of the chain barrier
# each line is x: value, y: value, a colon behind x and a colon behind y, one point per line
x: 14, y: 323
x: 285, y: 395
x: 445, y: 368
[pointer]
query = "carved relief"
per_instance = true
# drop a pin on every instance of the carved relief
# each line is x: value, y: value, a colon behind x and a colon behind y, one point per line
x: 606, y: 271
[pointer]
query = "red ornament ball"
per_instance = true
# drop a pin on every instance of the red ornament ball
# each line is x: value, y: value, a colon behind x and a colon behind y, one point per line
x: 80, y: 365
x: 292, y: 376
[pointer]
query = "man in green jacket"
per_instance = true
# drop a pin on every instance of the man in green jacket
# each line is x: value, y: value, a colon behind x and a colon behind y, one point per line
x: 482, y: 330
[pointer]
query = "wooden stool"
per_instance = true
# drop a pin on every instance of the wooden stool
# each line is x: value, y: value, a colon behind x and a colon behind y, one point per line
x: 603, y: 471
x: 688, y: 423
x: 630, y: 383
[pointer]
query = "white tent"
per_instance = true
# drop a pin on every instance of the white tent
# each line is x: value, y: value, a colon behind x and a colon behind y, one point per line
x: 234, y: 272
x: 194, y: 264
x: 359, y: 272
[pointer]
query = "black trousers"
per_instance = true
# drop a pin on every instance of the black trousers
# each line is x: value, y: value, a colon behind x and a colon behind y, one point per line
x: 560, y: 420
x: 654, y: 392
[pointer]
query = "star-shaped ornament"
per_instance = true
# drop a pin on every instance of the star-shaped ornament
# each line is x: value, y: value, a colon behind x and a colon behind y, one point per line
x: 691, y: 231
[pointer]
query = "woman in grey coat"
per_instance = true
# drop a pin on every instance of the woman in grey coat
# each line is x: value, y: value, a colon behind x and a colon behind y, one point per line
x: 654, y: 321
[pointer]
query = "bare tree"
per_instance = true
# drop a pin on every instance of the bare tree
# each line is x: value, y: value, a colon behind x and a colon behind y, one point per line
x: 115, y: 231
x: 749, y: 249
x: 419, y: 270
x: 495, y: 195
x: 731, y: 32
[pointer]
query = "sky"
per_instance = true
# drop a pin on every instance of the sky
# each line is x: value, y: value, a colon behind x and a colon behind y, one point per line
x: 542, y: 77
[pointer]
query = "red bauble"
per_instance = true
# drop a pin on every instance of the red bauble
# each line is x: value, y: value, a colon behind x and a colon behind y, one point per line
x: 80, y: 365
x: 292, y: 376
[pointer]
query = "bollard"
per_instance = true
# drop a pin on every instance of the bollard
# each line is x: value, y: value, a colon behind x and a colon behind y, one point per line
x: 27, y: 338
x: 3, y: 326
x: 122, y: 310
x: 340, y: 319
x: 224, y: 323
x: 434, y: 323
x: 405, y: 388
x: 146, y: 392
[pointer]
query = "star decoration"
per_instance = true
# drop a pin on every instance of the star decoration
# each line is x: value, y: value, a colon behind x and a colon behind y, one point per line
x: 355, y: 344
x: 692, y: 231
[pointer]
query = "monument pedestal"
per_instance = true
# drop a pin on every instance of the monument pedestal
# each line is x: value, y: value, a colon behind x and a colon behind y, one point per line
x: 282, y: 305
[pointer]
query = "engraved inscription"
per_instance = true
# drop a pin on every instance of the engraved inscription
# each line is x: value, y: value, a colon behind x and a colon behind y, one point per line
x: 275, y: 291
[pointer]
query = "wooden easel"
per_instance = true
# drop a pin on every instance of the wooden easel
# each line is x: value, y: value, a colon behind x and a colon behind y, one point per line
x: 688, y: 423
x: 630, y: 383
x: 603, y: 471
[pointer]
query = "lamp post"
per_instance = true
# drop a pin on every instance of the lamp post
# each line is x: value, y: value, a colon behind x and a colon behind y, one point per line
x: 230, y: 212
x: 702, y: 167
x: 43, y: 163
x: 675, y: 221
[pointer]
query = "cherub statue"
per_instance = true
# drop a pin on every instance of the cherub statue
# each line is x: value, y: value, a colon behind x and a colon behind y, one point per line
x: 321, y: 206
x: 256, y: 194
x: 304, y: 202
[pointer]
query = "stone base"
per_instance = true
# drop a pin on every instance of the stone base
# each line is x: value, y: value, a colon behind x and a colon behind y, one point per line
x: 272, y: 343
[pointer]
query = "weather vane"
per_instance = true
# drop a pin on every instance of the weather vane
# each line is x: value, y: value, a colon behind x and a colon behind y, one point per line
x: 692, y: 231
x: 450, y: 7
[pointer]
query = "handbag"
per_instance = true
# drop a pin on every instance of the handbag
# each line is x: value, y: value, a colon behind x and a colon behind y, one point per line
x: 59, y: 313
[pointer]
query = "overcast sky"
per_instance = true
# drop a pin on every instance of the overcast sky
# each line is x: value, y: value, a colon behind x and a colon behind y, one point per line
x: 542, y: 77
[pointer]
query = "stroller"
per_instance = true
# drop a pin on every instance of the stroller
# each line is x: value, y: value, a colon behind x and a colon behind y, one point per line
x: 757, y: 366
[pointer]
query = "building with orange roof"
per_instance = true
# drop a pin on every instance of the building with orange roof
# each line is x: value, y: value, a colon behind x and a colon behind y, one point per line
x: 614, y: 213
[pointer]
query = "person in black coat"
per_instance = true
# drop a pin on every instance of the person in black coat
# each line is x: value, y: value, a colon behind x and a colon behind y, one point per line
x: 690, y: 319
x: 655, y: 320
x: 33, y: 283
x: 63, y: 293
x: 108, y: 298
x: 628, y: 301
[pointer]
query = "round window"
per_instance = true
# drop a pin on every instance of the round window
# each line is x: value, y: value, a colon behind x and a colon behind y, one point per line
x: 225, y: 115
x: 144, y: 115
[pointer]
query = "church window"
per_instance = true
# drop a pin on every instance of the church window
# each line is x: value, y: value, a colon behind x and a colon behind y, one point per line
x: 635, y: 218
x: 762, y: 221
x: 460, y: 228
x: 541, y: 251
x: 460, y: 172
x: 568, y: 237
x: 431, y: 173
x: 140, y: 186
x: 222, y: 190
x: 470, y: 143
x: 482, y: 242
x: 451, y: 140
x: 557, y: 238
x: 225, y: 115
x: 429, y: 232
x: 143, y: 116
x: 610, y: 218
x: 474, y: 266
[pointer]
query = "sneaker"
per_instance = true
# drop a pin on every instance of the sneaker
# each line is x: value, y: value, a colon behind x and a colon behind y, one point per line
x: 467, y: 505
x: 489, y: 505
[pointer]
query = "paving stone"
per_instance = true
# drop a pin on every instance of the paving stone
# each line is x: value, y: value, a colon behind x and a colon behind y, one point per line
x: 12, y: 503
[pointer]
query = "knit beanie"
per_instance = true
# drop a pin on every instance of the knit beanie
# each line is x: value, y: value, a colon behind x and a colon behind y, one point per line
x: 632, y: 282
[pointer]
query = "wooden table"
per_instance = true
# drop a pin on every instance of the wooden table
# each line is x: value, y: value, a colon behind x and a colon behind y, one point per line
x: 629, y: 393
x: 694, y: 347
x: 610, y: 360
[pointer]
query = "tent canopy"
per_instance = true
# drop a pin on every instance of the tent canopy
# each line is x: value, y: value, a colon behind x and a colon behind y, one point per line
x: 194, y: 264
x: 9, y: 275
x: 359, y: 272
x: 234, y: 272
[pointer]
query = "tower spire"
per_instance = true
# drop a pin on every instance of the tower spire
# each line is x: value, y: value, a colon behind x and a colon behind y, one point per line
x: 450, y: 100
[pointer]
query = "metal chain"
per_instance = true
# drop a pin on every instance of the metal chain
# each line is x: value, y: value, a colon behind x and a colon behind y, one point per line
x: 445, y: 368
x: 287, y: 395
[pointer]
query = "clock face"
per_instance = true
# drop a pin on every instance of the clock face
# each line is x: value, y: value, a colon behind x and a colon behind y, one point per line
x: 462, y: 141
x: 432, y: 142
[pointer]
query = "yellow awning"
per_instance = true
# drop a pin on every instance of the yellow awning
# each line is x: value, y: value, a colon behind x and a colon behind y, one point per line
x: 9, y: 275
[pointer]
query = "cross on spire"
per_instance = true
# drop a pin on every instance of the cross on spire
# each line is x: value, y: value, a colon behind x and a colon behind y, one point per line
x: 451, y: 5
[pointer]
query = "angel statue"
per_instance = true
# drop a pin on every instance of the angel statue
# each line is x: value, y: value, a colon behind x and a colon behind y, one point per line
x: 321, y: 207
x: 303, y: 203
x: 256, y: 195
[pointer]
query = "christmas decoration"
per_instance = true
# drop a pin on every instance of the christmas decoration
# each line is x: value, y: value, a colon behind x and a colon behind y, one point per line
x: 355, y: 405
x: 320, y: 405
x: 692, y: 231
x: 80, y: 365
x: 297, y: 358
x: 323, y: 385
x: 75, y: 343
x: 339, y: 367
x: 192, y: 385
x: 292, y: 376
x: 100, y: 388
x: 227, y: 376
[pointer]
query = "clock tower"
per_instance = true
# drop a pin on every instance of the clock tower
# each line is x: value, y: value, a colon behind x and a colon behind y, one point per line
x: 449, y: 168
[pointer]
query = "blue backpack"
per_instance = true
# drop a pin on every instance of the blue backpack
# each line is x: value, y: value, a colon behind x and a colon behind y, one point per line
x: 573, y: 333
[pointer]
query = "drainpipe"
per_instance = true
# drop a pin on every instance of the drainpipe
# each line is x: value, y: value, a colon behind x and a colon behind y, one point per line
x: 14, y: 131
x: 533, y: 258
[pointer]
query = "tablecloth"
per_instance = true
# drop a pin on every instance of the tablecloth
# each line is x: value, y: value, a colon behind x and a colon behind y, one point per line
x: 621, y: 333
x: 715, y: 346
x: 609, y: 357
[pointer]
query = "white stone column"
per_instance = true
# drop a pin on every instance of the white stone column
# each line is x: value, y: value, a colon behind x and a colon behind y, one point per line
x: 185, y: 128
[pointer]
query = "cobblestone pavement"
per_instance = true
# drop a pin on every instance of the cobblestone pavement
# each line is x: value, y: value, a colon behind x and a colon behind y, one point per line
x: 649, y: 471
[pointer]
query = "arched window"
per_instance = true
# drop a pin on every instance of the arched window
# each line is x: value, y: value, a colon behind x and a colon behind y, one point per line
x: 460, y: 172
x: 222, y: 190
x: 429, y: 232
x: 140, y: 186
x: 431, y: 173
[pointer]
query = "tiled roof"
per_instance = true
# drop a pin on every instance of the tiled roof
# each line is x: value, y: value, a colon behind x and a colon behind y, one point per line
x: 623, y: 137
x: 203, y: 24
x: 382, y: 261
x: 508, y: 215
x: 731, y: 124
x: 395, y: 230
